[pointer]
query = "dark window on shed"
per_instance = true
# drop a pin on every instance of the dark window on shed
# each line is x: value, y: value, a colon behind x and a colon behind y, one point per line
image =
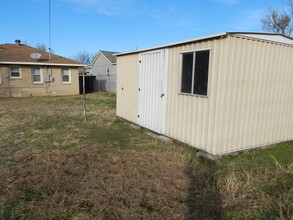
x: 195, y: 69
x: 187, y: 69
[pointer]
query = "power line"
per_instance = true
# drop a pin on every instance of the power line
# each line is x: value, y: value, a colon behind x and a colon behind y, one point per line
x: 50, y: 30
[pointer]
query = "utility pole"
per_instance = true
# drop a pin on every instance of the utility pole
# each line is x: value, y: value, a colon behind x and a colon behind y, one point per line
x: 84, y: 99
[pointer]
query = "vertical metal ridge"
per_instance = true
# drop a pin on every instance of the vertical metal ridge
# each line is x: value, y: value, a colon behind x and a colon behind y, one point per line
x: 151, y: 104
x: 127, y: 78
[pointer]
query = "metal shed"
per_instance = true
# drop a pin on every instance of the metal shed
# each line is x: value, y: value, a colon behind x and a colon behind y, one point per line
x: 221, y: 93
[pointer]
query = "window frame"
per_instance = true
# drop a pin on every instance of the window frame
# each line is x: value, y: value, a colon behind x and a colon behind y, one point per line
x: 41, y: 75
x: 10, y: 71
x: 107, y: 72
x: 69, y: 75
x: 193, y: 71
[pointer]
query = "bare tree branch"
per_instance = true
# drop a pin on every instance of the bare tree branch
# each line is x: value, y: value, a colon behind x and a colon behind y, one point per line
x: 42, y: 46
x: 290, y: 2
x: 84, y: 57
x: 278, y: 22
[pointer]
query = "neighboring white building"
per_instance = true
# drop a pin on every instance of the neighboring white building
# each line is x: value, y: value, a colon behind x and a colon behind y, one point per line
x: 104, y: 68
x: 222, y: 93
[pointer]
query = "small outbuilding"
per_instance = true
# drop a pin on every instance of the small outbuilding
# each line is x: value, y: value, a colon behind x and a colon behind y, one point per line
x: 222, y: 93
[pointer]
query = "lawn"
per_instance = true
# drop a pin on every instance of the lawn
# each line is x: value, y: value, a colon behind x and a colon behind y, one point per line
x: 56, y: 165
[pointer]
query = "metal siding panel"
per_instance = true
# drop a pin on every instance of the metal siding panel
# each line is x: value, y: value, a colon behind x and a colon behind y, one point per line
x: 215, y: 66
x: 250, y: 95
x: 127, y: 85
x: 288, y: 128
x: 164, y: 83
x: 187, y: 116
x: 263, y: 97
x: 227, y: 92
x: 150, y: 102
x: 249, y: 101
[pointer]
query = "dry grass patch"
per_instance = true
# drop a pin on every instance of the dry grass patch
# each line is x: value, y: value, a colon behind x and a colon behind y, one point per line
x: 259, y: 192
x: 93, y: 182
x: 55, y: 165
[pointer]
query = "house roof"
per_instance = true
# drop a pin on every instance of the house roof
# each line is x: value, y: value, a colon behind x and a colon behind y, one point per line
x: 21, y: 54
x: 107, y: 54
x: 270, y: 37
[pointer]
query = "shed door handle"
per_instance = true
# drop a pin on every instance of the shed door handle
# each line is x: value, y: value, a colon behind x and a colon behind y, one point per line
x: 162, y: 95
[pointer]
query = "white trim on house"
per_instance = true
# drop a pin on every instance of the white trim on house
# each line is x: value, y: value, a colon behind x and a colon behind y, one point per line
x: 69, y: 76
x: 94, y: 60
x: 105, y: 57
x: 41, y: 75
x: 15, y: 77
x: 42, y: 64
x: 96, y: 57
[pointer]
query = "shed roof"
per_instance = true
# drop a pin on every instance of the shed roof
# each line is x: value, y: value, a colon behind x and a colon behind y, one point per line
x: 271, y: 37
x: 20, y: 54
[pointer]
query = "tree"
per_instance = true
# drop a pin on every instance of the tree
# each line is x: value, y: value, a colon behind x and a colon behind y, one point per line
x: 84, y: 57
x: 279, y: 22
x: 42, y: 46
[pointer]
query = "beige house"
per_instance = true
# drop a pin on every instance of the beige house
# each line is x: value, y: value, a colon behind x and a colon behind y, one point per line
x: 27, y: 71
x: 221, y: 94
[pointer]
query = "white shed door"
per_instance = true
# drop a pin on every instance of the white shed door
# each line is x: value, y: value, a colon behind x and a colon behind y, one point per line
x: 152, y: 90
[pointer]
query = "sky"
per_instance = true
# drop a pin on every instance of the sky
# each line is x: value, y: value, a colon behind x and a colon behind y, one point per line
x: 124, y: 25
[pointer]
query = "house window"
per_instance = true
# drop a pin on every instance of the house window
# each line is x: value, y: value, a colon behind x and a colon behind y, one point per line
x: 108, y: 72
x: 66, y: 75
x: 194, y: 72
x: 15, y: 72
x: 36, y: 74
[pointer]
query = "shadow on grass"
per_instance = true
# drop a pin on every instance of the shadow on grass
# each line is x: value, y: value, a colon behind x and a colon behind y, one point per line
x: 204, y: 199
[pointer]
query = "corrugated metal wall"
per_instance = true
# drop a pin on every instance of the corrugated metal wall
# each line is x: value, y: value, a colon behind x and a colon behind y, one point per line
x: 127, y: 86
x: 188, y: 117
x: 249, y: 99
x: 151, y: 95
